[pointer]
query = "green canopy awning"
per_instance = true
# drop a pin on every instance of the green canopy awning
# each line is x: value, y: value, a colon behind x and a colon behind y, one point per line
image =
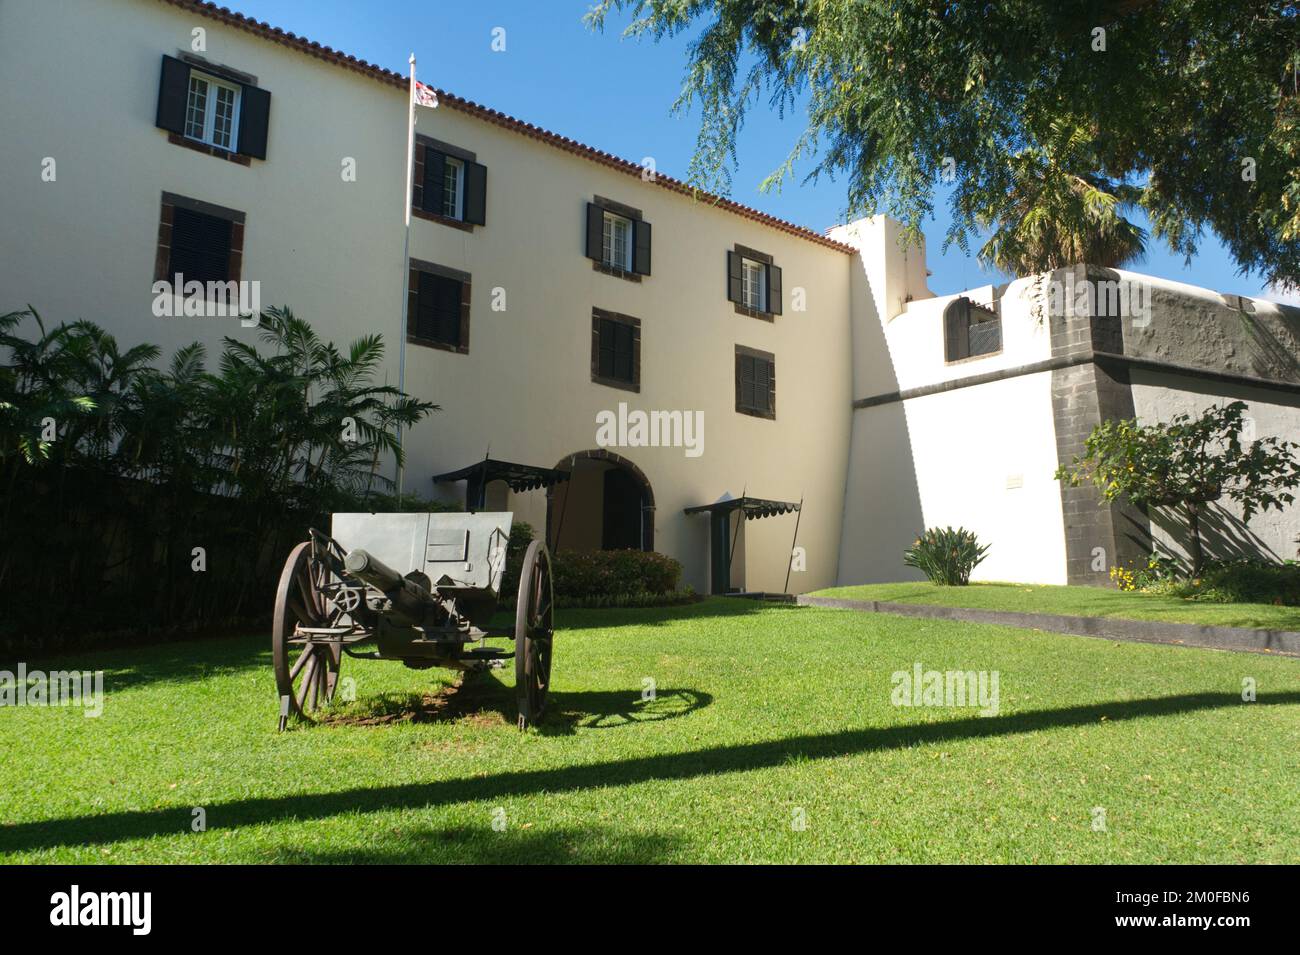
x: 518, y: 477
x: 751, y: 507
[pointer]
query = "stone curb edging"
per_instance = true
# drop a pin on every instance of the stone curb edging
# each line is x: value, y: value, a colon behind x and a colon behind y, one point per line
x: 1139, y: 631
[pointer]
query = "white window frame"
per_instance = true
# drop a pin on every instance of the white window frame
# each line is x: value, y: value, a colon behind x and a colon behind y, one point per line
x: 610, y: 221
x: 458, y: 194
x: 753, y: 284
x: 209, y: 135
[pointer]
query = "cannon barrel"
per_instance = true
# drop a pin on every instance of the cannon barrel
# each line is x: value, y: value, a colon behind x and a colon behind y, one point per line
x: 410, y: 600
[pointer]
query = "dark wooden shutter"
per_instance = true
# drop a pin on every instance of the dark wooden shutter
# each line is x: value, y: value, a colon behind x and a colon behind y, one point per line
x: 462, y: 336
x: 767, y: 399
x: 749, y: 382
x: 740, y: 376
x: 605, y: 366
x: 173, y: 94
x: 435, y: 173
x: 254, y: 118
x: 624, y: 355
x: 475, y: 193
x: 200, y: 249
x: 735, y: 281
x: 442, y: 311
x: 448, y: 304
x: 774, y: 289
x: 956, y: 322
x: 641, y: 247
x: 425, y: 312
x: 595, y: 232
x: 595, y: 346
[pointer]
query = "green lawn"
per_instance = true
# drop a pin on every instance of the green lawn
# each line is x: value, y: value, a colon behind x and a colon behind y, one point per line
x: 1077, y: 601
x: 761, y: 711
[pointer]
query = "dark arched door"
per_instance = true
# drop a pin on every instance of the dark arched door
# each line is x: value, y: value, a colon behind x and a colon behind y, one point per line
x: 621, y: 526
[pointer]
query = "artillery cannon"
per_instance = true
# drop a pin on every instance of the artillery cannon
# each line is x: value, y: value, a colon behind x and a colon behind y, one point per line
x: 331, y: 601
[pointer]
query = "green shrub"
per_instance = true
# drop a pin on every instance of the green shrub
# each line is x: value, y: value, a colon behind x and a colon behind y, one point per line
x: 607, y: 573
x: 946, y: 556
x: 1244, y: 581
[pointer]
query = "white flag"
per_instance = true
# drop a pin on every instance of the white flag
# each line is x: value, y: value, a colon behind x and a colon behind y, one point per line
x: 425, y: 96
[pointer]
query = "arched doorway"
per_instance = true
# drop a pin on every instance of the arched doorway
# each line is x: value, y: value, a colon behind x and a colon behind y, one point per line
x: 607, y: 504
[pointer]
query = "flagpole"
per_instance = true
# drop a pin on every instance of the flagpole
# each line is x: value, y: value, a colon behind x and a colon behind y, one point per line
x: 406, y: 261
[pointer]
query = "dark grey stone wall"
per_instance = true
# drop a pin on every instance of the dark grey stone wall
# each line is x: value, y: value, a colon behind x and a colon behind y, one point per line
x: 1098, y: 536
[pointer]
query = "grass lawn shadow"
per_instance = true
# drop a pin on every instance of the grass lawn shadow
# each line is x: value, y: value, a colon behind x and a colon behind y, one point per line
x: 464, y: 845
x: 107, y: 828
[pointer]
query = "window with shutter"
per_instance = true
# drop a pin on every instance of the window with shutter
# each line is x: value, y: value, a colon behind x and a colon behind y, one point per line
x: 438, y: 307
x: 198, y: 240
x: 450, y: 187
x: 437, y: 316
x: 213, y: 109
x: 755, y: 382
x: 200, y: 247
x: 618, y: 239
x: 753, y: 283
x: 615, y: 350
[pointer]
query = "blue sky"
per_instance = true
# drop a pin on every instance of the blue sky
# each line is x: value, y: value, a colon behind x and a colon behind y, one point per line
x: 616, y: 95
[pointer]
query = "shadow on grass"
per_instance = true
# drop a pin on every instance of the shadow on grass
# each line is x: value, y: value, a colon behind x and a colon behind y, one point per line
x: 480, y: 845
x: 481, y: 698
x: 724, y: 607
x: 188, y: 661
x: 741, y: 757
x: 192, y: 660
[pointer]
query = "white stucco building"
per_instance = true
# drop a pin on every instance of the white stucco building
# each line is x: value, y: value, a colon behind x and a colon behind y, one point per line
x: 552, y: 284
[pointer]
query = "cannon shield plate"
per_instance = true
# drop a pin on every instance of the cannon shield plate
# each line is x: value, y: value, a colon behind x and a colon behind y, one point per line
x: 469, y: 550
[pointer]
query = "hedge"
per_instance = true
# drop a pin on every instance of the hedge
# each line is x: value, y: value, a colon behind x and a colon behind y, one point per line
x: 614, y: 573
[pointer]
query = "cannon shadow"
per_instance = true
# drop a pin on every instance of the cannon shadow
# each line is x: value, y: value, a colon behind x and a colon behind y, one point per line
x: 480, y: 697
x: 259, y: 811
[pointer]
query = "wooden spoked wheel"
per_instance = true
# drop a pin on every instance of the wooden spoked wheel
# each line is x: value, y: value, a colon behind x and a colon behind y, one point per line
x: 534, y: 634
x: 306, y: 669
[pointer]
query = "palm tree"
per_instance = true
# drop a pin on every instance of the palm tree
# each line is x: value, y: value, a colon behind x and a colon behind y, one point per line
x: 1051, y: 212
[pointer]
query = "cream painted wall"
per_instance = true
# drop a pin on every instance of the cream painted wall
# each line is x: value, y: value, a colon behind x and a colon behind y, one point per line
x: 916, y: 342
x: 541, y: 344
x: 970, y: 449
x: 333, y: 252
x: 329, y: 249
x: 981, y: 457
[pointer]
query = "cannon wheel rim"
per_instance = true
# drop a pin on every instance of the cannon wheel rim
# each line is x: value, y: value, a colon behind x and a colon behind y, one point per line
x: 311, y: 677
x: 534, y: 634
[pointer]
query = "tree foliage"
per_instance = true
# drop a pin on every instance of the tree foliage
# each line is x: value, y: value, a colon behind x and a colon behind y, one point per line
x: 1188, y: 463
x: 1189, y: 109
x: 112, y: 470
